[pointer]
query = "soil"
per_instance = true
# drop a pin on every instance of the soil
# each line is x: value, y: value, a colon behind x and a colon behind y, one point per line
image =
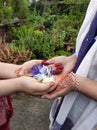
x: 30, y: 113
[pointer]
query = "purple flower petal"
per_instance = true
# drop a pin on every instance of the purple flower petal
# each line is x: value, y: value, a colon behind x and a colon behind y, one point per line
x: 35, y: 70
x: 41, y: 72
x: 51, y: 70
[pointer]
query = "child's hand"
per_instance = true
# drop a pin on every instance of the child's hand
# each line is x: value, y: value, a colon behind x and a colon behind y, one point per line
x: 24, y: 68
x: 32, y: 86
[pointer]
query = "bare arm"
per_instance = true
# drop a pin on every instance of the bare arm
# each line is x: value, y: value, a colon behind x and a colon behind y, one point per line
x: 10, y: 83
x: 8, y: 86
x: 24, y: 84
x: 87, y: 87
x: 8, y: 70
x: 71, y: 83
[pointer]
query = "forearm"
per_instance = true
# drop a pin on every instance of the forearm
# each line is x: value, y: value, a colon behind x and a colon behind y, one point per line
x: 7, y: 70
x: 87, y: 87
x: 9, y: 86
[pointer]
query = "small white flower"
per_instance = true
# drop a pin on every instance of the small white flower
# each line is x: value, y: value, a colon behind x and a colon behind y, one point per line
x: 48, y: 79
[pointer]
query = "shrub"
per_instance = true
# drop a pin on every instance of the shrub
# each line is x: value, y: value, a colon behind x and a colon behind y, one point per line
x: 43, y: 44
x: 14, y: 55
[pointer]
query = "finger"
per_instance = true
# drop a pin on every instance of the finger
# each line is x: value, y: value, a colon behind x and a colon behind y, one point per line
x: 59, y: 67
x: 51, y: 61
x: 46, y: 87
x: 43, y: 92
x: 57, y: 71
x: 39, y: 61
x: 17, y: 71
x: 58, y: 64
x: 61, y: 77
x: 57, y: 93
x: 45, y: 63
x: 43, y: 88
x: 23, y: 71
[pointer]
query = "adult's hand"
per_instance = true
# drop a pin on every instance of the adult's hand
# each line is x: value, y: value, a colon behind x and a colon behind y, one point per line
x: 65, y: 83
x: 67, y: 62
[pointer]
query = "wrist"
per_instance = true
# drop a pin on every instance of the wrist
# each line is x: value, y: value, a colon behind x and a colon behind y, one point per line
x: 70, y: 81
x: 73, y: 58
x: 19, y: 84
x: 8, y: 86
x: 74, y: 81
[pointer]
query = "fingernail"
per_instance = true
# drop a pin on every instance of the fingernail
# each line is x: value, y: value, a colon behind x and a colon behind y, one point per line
x: 45, y: 63
x: 58, y: 64
x: 52, y: 83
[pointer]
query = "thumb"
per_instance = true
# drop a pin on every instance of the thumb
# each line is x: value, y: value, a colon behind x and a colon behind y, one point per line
x: 49, y: 86
x: 51, y: 61
x: 23, y: 71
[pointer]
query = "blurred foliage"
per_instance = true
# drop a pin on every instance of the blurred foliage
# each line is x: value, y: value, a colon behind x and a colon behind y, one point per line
x: 20, y: 8
x: 43, y: 44
x: 45, y: 29
x: 13, y: 55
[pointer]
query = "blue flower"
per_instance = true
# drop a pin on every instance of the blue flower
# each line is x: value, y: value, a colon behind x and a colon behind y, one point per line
x: 42, y: 73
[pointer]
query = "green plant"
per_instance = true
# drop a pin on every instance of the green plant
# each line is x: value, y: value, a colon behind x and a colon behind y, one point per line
x: 70, y: 34
x: 62, y: 52
x: 42, y: 44
x: 5, y: 13
x: 35, y: 19
x: 20, y: 8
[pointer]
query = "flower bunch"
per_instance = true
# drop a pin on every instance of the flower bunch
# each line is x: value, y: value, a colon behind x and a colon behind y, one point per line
x: 45, y: 73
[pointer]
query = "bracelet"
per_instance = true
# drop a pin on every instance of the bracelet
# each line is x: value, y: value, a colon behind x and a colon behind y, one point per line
x: 70, y: 81
x: 76, y: 82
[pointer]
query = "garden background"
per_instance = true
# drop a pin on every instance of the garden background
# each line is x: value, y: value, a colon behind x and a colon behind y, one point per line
x: 37, y: 30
